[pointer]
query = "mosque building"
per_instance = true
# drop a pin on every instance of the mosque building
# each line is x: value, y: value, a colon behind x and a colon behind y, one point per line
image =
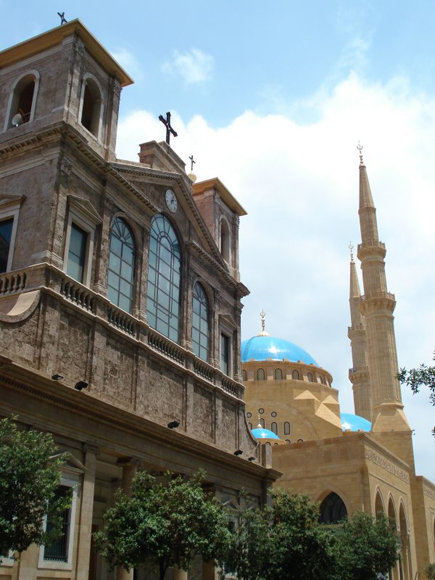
x: 346, y: 462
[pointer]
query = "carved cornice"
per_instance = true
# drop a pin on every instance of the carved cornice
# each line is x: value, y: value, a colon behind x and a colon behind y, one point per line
x: 370, y: 455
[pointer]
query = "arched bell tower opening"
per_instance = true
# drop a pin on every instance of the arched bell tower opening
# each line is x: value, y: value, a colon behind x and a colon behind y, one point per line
x: 91, y: 107
x: 23, y: 100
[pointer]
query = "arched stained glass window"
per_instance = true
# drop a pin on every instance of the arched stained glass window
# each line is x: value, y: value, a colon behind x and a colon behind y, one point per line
x: 278, y: 374
x: 274, y: 427
x: 287, y: 428
x: 200, y: 332
x: 262, y: 422
x: 332, y: 509
x: 164, y: 278
x: 310, y: 377
x: 295, y: 375
x: 260, y: 375
x: 120, y: 280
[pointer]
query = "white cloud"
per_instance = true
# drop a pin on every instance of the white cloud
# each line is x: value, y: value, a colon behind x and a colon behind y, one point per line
x: 128, y: 62
x: 194, y: 66
x: 299, y: 184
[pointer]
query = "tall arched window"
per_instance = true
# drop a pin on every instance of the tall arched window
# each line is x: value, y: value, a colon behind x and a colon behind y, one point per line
x: 164, y: 278
x: 244, y: 376
x: 287, y: 428
x: 200, y: 332
x: 225, y: 241
x: 332, y: 509
x: 295, y: 375
x: 278, y: 374
x: 260, y: 375
x: 310, y: 377
x: 120, y: 280
x: 274, y: 427
x: 91, y: 107
x: 263, y: 423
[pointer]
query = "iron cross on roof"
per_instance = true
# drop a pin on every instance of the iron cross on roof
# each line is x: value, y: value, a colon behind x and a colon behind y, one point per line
x: 192, y: 161
x: 167, y: 123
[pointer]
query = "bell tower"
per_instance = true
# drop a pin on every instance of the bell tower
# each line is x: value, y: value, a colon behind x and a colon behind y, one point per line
x: 62, y: 76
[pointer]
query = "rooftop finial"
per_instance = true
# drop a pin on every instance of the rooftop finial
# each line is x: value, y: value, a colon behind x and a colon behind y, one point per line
x: 360, y: 148
x: 263, y: 324
x: 351, y: 251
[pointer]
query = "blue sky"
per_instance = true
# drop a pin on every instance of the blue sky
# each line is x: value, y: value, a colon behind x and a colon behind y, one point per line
x: 273, y: 99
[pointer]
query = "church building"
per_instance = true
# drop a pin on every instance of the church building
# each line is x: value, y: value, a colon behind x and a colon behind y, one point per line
x: 120, y: 301
x: 348, y: 463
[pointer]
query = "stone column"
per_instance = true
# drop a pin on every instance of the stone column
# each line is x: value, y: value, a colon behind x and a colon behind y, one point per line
x: 179, y: 574
x: 129, y: 469
x: 86, y: 512
x: 209, y: 571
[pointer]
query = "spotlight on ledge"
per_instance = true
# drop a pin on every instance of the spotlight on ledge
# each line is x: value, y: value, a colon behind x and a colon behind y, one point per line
x: 238, y: 452
x: 252, y: 458
x: 80, y: 385
x: 57, y: 377
x: 173, y: 424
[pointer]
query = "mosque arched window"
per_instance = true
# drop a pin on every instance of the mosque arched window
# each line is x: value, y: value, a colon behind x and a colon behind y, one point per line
x: 379, y: 506
x: 332, y: 509
x: 260, y: 375
x: 244, y: 376
x: 310, y: 377
x: 120, y: 279
x: 287, y: 428
x: 295, y: 375
x: 263, y: 423
x: 274, y: 427
x: 200, y: 329
x: 164, y: 278
x: 278, y: 374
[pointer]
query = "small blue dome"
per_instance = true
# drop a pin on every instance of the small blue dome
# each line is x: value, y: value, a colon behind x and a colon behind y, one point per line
x: 263, y: 347
x: 262, y: 433
x: 354, y: 422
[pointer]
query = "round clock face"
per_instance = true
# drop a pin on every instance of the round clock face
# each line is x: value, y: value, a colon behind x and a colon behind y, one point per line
x: 171, y: 200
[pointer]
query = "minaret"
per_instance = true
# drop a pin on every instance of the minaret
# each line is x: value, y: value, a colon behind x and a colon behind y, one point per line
x: 359, y: 374
x: 377, y: 307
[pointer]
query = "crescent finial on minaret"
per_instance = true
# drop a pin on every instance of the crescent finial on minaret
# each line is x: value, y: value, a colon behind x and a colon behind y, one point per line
x: 360, y: 148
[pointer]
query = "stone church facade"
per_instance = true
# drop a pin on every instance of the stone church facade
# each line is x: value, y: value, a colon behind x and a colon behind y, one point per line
x: 348, y: 463
x: 120, y: 300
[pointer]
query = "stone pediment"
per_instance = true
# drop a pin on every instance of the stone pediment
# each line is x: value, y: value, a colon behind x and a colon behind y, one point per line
x: 86, y: 208
x: 7, y: 200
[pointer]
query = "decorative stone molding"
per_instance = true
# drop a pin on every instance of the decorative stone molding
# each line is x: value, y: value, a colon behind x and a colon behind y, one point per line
x: 428, y: 492
x: 387, y: 465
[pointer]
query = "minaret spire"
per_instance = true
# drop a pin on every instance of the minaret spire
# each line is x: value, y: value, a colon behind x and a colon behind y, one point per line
x: 359, y: 373
x: 377, y: 307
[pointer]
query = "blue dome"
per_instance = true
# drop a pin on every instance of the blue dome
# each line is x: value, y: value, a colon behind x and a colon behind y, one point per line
x: 263, y: 347
x: 354, y: 422
x: 262, y: 433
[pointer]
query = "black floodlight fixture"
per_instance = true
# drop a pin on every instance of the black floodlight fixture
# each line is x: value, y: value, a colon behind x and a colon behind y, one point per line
x: 238, y: 452
x: 252, y: 458
x: 57, y: 377
x: 174, y: 424
x: 81, y: 385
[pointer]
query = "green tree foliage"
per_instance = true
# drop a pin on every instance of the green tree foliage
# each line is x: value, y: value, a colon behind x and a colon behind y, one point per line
x: 282, y: 542
x: 163, y: 524
x: 430, y: 572
x: 365, y: 547
x: 421, y: 376
x: 418, y: 377
x: 28, y: 482
x: 286, y: 542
